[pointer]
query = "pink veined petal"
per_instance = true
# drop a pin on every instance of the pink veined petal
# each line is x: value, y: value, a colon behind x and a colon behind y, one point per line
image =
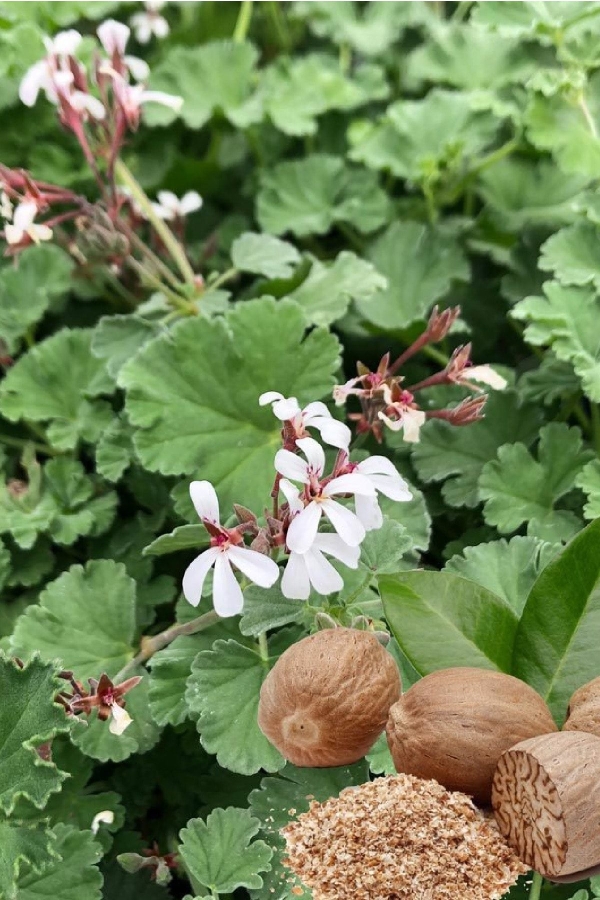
x: 195, y: 575
x: 394, y: 488
x: 333, y: 545
x: 65, y: 43
x: 228, y: 599
x: 205, y: 500
x: 314, y: 454
x: 286, y: 408
x: 316, y: 408
x: 260, y: 569
x: 369, y: 513
x: 169, y: 100
x: 120, y: 719
x: 139, y: 68
x: 354, y: 483
x: 269, y: 397
x: 113, y: 36
x: 24, y: 215
x: 345, y: 522
x: 292, y: 495
x: 334, y: 433
x: 295, y: 583
x: 291, y: 466
x: 35, y: 78
x: 303, y: 528
x: 323, y: 576
x: 190, y: 202
x: 82, y: 101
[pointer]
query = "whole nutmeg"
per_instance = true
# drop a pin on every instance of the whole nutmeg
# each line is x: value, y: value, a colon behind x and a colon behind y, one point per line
x: 326, y: 700
x: 583, y: 713
x: 546, y: 799
x: 454, y: 724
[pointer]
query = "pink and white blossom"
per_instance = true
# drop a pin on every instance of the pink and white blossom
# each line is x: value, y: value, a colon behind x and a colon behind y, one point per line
x: 131, y: 98
x: 386, y: 480
x: 406, y: 417
x: 171, y: 207
x: 114, y: 37
x: 226, y: 549
x: 40, y: 76
x: 318, y: 497
x: 23, y: 225
x: 148, y: 23
x: 312, y: 570
x: 119, y: 719
x: 341, y: 392
x: 314, y: 415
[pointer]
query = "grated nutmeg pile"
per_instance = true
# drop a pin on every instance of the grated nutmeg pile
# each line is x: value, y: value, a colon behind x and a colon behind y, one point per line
x: 400, y: 838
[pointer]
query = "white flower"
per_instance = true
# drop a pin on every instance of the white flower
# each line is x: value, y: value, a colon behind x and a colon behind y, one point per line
x: 65, y: 43
x: 228, y: 599
x: 106, y: 817
x: 341, y: 392
x: 408, y: 419
x: 311, y: 569
x: 386, y: 479
x: 303, y: 528
x: 485, y: 374
x: 114, y: 37
x: 40, y: 76
x: 146, y: 24
x: 131, y: 98
x: 120, y: 719
x: 6, y: 208
x: 170, y: 207
x: 315, y: 415
x: 23, y: 225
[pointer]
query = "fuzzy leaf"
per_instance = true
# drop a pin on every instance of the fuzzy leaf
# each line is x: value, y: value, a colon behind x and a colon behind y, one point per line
x: 265, y: 255
x: 517, y: 488
x: 28, y: 718
x: 552, y: 380
x: 572, y: 255
x: 420, y: 265
x: 75, y: 877
x: 266, y: 609
x: 23, y: 847
x: 86, y: 616
x: 459, y: 454
x: 193, y: 395
x: 220, y: 853
x: 529, y: 18
x: 382, y: 550
x: 369, y: 30
x: 116, y: 339
x: 589, y: 482
x: 223, y: 692
x: 442, y: 620
x: 114, y: 450
x: 329, y: 289
x: 54, y: 381
x: 184, y: 537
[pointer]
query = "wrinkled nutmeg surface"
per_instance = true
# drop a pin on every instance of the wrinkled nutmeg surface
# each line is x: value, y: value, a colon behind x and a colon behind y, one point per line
x: 583, y: 713
x: 326, y: 700
x: 454, y: 724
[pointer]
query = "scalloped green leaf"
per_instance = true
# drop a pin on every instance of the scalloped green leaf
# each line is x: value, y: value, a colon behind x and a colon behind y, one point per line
x: 23, y: 846
x: 116, y: 339
x: 589, y: 482
x: 221, y: 853
x: 28, y: 718
x: 517, y: 488
x: 441, y: 620
x: 329, y: 289
x: 75, y: 877
x: 572, y: 255
x: 86, y: 617
x: 193, y: 395
x: 542, y: 18
x: 184, y: 537
x: 263, y: 254
x: 369, y: 29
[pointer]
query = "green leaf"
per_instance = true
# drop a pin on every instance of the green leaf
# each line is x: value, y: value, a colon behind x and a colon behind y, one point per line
x: 220, y: 853
x: 310, y: 195
x: 86, y: 616
x: 540, y: 18
x: 194, y: 394
x: 420, y: 264
x: 114, y: 450
x: 266, y: 609
x: 566, y: 320
x: 379, y: 757
x: 29, y: 567
x: 26, y: 292
x: 589, y: 482
x: 382, y: 550
x: 215, y: 77
x: 28, y: 718
x: 552, y: 380
x: 459, y: 454
x: 572, y: 255
x: 517, y: 488
x: 184, y: 537
x: 281, y: 798
x: 329, y: 289
x: 441, y: 620
x: 413, y: 516
x: 22, y: 846
x: 556, y: 646
x: 53, y: 381
x: 75, y: 877
x: 370, y: 29
x: 223, y: 692
x: 559, y: 124
x: 507, y: 568
x: 265, y: 255
x: 416, y: 137
x: 116, y: 339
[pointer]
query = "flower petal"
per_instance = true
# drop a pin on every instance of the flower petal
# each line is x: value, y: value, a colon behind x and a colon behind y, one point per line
x: 323, y: 577
x: 139, y: 68
x: 106, y: 817
x: 333, y: 545
x: 160, y: 26
x: 24, y: 215
x: 378, y: 465
x: 205, y: 500
x: 354, y: 483
x: 269, y: 397
x: 190, y: 202
x: 334, y: 433
x: 170, y: 100
x: 291, y: 466
x: 292, y: 495
x: 394, y: 488
x: 260, y: 569
x: 286, y: 408
x: 65, y: 43
x: 142, y: 26
x: 195, y: 575
x: 369, y: 513
x: 113, y: 36
x: 35, y: 78
x: 295, y: 583
x: 314, y: 454
x: 120, y: 719
x: 486, y: 375
x: 303, y: 528
x: 345, y: 522
x: 228, y: 599
x: 316, y: 408
x: 413, y: 420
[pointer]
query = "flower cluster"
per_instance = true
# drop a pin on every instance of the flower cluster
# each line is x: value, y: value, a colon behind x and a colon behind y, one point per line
x: 385, y: 400
x: 104, y: 696
x: 304, y: 499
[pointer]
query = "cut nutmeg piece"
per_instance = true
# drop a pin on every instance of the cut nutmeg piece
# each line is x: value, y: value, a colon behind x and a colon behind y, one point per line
x: 326, y: 700
x: 454, y: 724
x: 583, y: 713
x: 546, y: 799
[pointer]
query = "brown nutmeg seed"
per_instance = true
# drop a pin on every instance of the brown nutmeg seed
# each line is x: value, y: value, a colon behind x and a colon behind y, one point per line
x: 546, y: 799
x: 454, y: 724
x: 583, y: 713
x: 326, y: 700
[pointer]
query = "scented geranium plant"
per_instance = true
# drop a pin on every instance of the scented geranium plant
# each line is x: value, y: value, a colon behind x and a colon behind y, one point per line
x: 299, y: 329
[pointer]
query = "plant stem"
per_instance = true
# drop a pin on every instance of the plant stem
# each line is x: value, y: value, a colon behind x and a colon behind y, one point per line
x: 435, y: 354
x: 162, y: 229
x: 223, y: 278
x: 184, y: 306
x: 243, y: 21
x: 20, y: 443
x: 151, y: 645
x: 587, y: 116
x: 263, y: 647
x: 279, y: 24
x: 536, y: 886
x: 595, y: 419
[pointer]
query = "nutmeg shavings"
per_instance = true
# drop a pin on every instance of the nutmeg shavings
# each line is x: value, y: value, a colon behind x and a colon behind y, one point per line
x: 400, y: 838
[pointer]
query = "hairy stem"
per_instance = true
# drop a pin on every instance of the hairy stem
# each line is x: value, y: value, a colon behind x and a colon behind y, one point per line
x: 263, y: 647
x: 243, y: 21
